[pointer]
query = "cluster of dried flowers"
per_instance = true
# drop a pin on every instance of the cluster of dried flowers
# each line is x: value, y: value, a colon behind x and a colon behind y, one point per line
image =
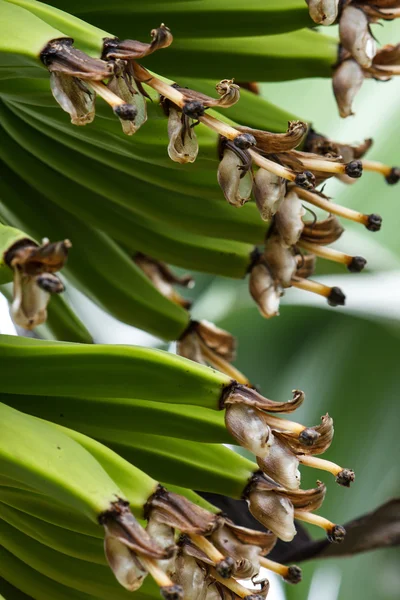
x: 359, y: 57
x: 35, y: 281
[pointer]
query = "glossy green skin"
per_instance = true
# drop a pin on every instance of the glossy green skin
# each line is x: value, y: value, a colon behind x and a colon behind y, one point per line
x: 84, y: 576
x: 104, y: 370
x: 36, y: 453
x: 96, y: 265
x: 123, y: 417
x: 205, y: 467
x: 12, y: 592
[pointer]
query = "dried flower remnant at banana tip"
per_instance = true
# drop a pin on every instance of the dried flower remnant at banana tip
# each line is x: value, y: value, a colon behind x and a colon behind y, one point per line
x: 34, y: 269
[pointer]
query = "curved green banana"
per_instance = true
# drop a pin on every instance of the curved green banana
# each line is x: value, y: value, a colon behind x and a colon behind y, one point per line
x: 97, y: 266
x: 220, y: 257
x: 83, y: 576
x: 123, y: 417
x: 104, y: 370
x: 80, y: 546
x: 204, y: 18
x: 12, y: 592
x: 34, y: 583
x: 38, y: 454
x: 202, y: 216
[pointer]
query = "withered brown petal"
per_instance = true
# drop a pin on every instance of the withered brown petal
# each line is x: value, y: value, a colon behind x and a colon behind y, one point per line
x: 189, y: 346
x: 281, y: 465
x: 269, y: 191
x: 29, y: 306
x: 120, y: 523
x: 280, y: 260
x: 347, y: 80
x: 123, y: 85
x: 61, y: 57
x: 305, y: 500
x: 264, y: 291
x: 183, y: 146
x: 355, y: 35
x: 191, y: 577
x: 163, y: 278
x: 246, y: 556
x: 246, y: 425
x: 288, y: 220
x: 220, y: 341
x: 47, y: 258
x: 305, y: 265
x: 321, y: 443
x: 271, y: 143
x: 133, y: 50
x: 324, y: 232
x: 388, y: 55
x: 274, y: 511
x: 266, y: 540
x: 74, y: 97
x: 323, y: 12
x: 127, y: 569
x: 236, y: 187
x: 241, y: 394
x: 178, y: 512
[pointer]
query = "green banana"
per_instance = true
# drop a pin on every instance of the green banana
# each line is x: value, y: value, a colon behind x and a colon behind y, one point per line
x: 83, y: 576
x: 178, y: 247
x: 204, y: 18
x: 124, y: 417
x: 31, y: 582
x: 79, y: 546
x: 12, y: 592
x: 37, y: 453
x: 203, y: 216
x: 98, y: 266
x: 102, y: 371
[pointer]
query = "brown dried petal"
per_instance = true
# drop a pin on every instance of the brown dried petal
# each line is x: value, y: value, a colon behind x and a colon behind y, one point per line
x: 228, y: 91
x: 269, y: 191
x: 324, y: 232
x: 164, y: 535
x: 305, y: 500
x: 61, y: 57
x: 305, y: 265
x: 288, y: 220
x: 320, y: 444
x: 123, y: 85
x: 217, y: 339
x: 120, y: 523
x: 183, y: 146
x: 34, y: 260
x: 280, y: 260
x: 355, y: 35
x: 191, y: 577
x: 271, y: 143
x: 388, y: 55
x: 246, y: 556
x: 323, y: 12
x: 274, y: 511
x: 163, y: 278
x: 347, y: 80
x: 133, y: 50
x: 241, y: 394
x: 321, y: 145
x: 178, y: 512
x: 29, y: 306
x: 189, y: 346
x: 236, y: 187
x: 281, y: 465
x: 127, y: 569
x: 74, y: 97
x: 266, y: 540
x: 264, y: 291
x: 249, y: 429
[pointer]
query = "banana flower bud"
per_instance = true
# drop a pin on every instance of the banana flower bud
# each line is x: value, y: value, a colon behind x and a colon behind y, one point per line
x: 288, y: 221
x: 269, y: 191
x: 347, y: 80
x: 323, y: 12
x: 356, y: 37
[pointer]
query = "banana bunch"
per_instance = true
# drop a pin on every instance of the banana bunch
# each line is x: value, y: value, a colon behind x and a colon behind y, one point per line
x: 64, y: 495
x: 184, y: 222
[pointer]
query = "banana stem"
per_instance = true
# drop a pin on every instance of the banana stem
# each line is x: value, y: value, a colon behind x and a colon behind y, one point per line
x: 275, y: 567
x: 313, y: 519
x: 108, y: 96
x: 353, y: 263
x: 231, y: 584
x: 207, y: 547
x: 335, y: 209
x: 377, y: 167
x: 220, y: 127
x: 159, y: 576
